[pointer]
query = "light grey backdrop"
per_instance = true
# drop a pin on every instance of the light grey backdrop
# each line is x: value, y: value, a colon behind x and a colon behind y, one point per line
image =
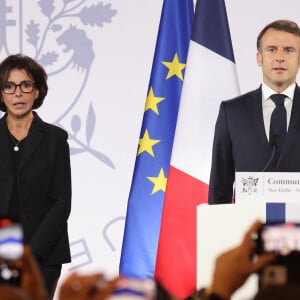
x: 98, y: 56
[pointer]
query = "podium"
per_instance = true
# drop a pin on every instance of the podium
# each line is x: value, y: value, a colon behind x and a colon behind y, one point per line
x: 267, y: 186
x: 221, y: 227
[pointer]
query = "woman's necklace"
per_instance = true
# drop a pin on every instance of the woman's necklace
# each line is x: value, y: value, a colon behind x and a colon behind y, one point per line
x: 16, y: 142
x: 20, y: 130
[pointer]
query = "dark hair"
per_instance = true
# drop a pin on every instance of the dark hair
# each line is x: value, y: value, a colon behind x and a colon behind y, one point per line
x: 33, y: 69
x: 281, y: 25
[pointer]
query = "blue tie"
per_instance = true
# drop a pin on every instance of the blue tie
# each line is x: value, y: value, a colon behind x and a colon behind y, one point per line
x: 278, y: 123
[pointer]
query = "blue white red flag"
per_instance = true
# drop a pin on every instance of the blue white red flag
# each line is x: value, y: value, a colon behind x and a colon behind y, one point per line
x: 210, y: 77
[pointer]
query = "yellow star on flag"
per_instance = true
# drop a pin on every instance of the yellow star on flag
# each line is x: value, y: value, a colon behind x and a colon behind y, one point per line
x: 175, y: 67
x: 146, y: 144
x: 152, y: 101
x: 160, y: 182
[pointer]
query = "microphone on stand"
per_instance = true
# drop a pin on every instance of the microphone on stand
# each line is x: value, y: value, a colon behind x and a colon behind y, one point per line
x: 274, y: 144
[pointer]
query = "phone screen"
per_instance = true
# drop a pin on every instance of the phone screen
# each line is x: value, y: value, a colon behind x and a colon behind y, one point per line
x: 280, y: 238
x: 11, y: 239
x: 11, y: 250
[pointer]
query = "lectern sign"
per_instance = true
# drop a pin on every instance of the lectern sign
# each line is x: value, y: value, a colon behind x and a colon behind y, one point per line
x: 267, y: 186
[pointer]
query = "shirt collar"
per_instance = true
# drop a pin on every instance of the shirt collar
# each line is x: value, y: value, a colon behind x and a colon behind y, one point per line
x: 267, y: 91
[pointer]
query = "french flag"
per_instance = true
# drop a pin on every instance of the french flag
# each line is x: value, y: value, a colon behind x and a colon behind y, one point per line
x: 210, y: 77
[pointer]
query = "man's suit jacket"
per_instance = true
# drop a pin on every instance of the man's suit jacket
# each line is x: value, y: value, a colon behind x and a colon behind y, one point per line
x: 240, y: 143
x: 44, y: 188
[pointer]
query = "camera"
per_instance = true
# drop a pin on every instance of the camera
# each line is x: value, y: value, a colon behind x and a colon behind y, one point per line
x: 11, y: 250
x: 284, y: 240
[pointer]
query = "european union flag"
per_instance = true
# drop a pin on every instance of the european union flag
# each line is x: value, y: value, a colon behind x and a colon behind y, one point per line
x: 148, y: 187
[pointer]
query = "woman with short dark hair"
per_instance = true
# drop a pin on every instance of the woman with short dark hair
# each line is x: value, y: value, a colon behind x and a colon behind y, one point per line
x: 35, y: 172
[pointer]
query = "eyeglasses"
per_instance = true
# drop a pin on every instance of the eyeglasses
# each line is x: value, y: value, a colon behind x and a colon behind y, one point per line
x: 26, y: 87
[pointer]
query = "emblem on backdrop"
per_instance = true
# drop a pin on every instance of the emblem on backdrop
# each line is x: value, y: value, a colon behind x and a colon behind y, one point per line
x: 59, y: 35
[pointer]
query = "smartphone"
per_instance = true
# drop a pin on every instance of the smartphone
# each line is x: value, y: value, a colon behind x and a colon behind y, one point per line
x: 283, y: 239
x: 11, y: 250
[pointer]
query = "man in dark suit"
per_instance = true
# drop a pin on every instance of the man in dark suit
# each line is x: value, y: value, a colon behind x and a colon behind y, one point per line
x: 245, y: 138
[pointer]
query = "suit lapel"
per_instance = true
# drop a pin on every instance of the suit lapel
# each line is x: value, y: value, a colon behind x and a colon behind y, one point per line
x: 294, y: 125
x: 7, y: 166
x: 5, y: 150
x: 295, y: 114
x: 257, y: 119
x: 34, y: 138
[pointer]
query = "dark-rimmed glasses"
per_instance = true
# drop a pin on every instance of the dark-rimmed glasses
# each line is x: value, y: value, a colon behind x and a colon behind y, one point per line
x: 10, y: 87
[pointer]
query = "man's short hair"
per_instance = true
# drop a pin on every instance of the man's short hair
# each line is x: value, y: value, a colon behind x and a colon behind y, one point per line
x: 281, y: 25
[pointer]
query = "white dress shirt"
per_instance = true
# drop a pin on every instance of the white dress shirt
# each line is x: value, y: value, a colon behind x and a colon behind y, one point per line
x: 268, y: 104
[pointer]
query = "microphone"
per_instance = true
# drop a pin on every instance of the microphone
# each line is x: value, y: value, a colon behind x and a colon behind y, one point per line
x: 274, y: 144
